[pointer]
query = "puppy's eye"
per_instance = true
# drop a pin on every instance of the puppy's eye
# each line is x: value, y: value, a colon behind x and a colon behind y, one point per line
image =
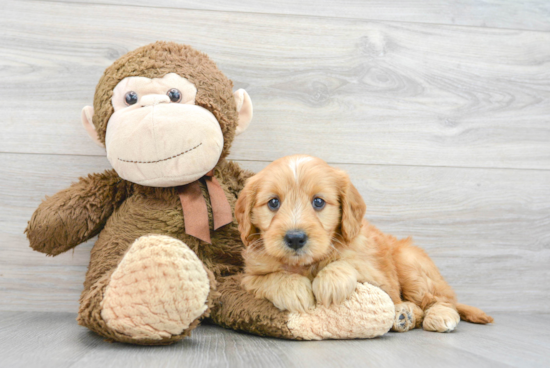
x: 174, y: 94
x: 318, y: 203
x: 274, y: 204
x: 130, y: 98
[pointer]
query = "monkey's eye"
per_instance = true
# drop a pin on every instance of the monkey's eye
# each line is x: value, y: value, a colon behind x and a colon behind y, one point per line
x: 318, y: 203
x: 274, y: 204
x: 174, y: 94
x: 130, y: 98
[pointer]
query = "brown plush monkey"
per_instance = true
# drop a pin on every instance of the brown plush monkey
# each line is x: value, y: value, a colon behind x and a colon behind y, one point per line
x: 167, y: 117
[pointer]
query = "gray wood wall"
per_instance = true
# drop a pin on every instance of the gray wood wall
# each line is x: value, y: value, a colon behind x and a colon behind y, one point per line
x: 439, y: 110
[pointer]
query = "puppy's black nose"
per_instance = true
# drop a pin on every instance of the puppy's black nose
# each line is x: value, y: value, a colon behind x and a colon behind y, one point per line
x: 295, y: 239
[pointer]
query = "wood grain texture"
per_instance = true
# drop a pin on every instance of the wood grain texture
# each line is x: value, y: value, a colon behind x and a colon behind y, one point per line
x: 55, y: 340
x: 444, y: 129
x: 486, y: 229
x: 348, y: 90
x: 530, y: 14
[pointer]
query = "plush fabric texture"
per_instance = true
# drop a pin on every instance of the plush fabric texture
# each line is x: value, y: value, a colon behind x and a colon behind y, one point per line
x: 101, y: 194
x: 148, y: 211
x: 155, y: 142
x: 159, y: 288
x: 143, y: 86
x: 122, y: 212
x: 367, y: 314
x: 241, y: 311
x: 155, y: 61
x: 191, y: 146
x: 142, y: 231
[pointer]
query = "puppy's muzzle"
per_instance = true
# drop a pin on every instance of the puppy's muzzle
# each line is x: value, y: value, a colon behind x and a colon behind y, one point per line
x: 295, y: 239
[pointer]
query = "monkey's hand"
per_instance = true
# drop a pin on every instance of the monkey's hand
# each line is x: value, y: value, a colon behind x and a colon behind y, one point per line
x: 75, y: 214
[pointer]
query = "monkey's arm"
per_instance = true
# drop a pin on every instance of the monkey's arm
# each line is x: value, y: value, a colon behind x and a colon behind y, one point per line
x: 77, y: 213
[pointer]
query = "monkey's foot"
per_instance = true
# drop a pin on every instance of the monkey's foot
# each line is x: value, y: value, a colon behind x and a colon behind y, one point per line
x: 367, y: 313
x: 159, y: 290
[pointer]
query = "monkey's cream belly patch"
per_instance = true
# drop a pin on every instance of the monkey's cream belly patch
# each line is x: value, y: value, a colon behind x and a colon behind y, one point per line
x: 159, y: 288
x: 368, y: 313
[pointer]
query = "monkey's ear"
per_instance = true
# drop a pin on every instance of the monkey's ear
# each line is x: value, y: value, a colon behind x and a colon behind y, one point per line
x: 87, y: 114
x: 244, y: 108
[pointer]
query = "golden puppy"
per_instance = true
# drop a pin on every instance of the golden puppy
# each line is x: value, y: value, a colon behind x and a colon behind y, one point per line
x: 302, y: 222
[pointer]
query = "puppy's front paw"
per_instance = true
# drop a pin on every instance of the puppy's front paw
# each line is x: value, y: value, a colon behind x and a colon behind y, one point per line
x: 293, y: 294
x: 334, y: 284
x: 286, y: 291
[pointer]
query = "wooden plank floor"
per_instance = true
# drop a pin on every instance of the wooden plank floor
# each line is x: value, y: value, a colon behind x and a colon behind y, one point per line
x: 40, y: 339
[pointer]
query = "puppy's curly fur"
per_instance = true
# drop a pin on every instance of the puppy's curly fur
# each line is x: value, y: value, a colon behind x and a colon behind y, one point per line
x: 338, y: 249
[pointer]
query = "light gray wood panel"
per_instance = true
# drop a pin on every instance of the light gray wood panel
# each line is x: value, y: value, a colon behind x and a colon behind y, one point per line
x: 487, y: 229
x: 348, y: 90
x: 55, y: 340
x: 532, y: 14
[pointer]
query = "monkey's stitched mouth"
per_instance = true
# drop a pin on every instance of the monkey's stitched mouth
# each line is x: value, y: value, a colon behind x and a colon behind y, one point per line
x: 164, y: 159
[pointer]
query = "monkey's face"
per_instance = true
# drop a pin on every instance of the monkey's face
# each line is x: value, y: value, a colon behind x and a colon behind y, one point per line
x: 171, y: 120
x: 157, y: 136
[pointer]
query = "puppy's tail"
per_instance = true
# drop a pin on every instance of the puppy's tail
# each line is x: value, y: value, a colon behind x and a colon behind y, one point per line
x: 473, y: 314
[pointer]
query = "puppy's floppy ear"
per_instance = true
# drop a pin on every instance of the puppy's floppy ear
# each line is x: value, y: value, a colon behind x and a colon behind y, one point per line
x: 243, y: 212
x: 353, y: 209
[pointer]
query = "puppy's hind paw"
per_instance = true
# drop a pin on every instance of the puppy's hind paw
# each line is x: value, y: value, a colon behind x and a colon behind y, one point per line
x: 440, y: 318
x: 404, y: 318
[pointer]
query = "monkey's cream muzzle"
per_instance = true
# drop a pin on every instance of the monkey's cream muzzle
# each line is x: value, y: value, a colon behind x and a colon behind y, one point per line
x: 162, y: 144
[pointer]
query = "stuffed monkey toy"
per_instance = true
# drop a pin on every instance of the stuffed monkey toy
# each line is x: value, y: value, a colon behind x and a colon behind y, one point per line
x: 168, y: 253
